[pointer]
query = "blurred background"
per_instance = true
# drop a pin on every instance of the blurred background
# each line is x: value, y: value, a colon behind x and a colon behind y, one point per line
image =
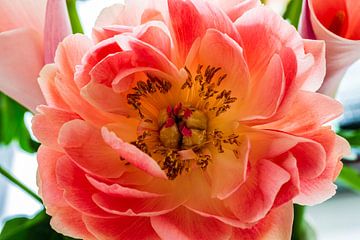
x: 336, y: 219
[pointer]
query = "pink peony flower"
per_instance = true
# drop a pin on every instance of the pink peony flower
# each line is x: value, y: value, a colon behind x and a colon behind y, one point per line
x: 337, y: 22
x: 185, y: 119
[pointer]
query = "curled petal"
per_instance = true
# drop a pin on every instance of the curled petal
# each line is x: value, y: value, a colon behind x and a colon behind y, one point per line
x: 133, y: 155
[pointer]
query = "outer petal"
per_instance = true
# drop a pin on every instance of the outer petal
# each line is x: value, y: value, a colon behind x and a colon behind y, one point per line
x: 47, y: 82
x: 47, y: 124
x: 20, y: 63
x: 121, y: 228
x: 256, y: 196
x: 321, y: 188
x: 85, y: 145
x: 298, y: 121
x: 275, y: 226
x: 65, y: 219
x: 184, y: 224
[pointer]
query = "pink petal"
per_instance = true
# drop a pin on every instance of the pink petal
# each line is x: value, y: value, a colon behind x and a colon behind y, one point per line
x: 321, y: 188
x: 22, y: 14
x: 190, y: 20
x: 312, y: 67
x: 95, y: 54
x: 223, y: 185
x: 65, y: 219
x: 292, y: 188
x: 261, y: 30
x: 146, y: 55
x: 116, y: 190
x: 236, y: 8
x: 277, y: 225
x: 86, y: 147
x: 47, y: 124
x: 47, y: 82
x: 121, y: 228
x: 20, y: 63
x: 236, y: 70
x: 77, y: 190
x: 299, y: 121
x: 256, y: 196
x: 184, y: 224
x: 202, y: 202
x: 69, y: 222
x: 134, y: 206
x: 49, y: 190
x: 106, y: 99
x: 133, y: 155
x: 69, y: 55
x: 265, y: 94
x: 57, y: 27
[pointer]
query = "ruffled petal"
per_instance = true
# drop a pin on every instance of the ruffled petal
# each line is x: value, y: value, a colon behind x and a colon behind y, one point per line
x: 298, y: 121
x: 277, y: 225
x: 65, y: 219
x: 85, y: 146
x: 316, y: 190
x: 77, y: 191
x: 190, y: 20
x: 256, y: 196
x: 121, y: 228
x: 47, y: 124
x: 235, y: 166
x: 184, y: 224
x: 132, y: 154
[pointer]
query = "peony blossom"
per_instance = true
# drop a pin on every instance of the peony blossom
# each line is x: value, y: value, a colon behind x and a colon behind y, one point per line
x: 337, y: 22
x: 185, y: 119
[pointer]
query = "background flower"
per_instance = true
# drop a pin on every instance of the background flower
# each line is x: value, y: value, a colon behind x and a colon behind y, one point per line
x: 337, y: 23
x: 21, y: 43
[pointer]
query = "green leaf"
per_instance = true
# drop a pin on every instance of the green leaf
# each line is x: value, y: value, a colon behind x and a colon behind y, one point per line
x: 293, y: 12
x: 12, y: 126
x: 353, y: 136
x: 350, y: 177
x: 22, y: 228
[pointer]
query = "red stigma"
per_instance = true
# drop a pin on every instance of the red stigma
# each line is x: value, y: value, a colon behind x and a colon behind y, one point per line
x: 177, y: 108
x: 169, y: 122
x: 187, y: 113
x: 186, y: 132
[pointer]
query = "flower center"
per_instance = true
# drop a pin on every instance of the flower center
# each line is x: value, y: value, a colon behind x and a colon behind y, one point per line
x: 178, y: 136
x: 182, y: 127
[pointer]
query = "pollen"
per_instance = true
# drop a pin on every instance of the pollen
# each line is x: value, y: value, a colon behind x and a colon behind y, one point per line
x: 174, y: 128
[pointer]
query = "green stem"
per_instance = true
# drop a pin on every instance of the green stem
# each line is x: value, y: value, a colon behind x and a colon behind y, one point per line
x: 12, y: 179
x: 74, y: 17
x: 298, y: 224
